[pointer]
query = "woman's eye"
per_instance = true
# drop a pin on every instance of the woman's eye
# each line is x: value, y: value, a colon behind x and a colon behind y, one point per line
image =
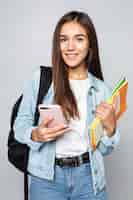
x: 80, y: 39
x: 63, y: 39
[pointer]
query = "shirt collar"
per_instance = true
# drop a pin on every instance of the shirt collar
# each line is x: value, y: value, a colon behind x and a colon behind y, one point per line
x: 92, y: 82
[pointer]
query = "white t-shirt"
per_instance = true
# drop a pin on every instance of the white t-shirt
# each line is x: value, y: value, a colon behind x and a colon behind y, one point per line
x: 75, y: 142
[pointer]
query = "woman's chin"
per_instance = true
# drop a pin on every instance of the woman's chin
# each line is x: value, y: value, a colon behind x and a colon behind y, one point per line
x: 72, y: 65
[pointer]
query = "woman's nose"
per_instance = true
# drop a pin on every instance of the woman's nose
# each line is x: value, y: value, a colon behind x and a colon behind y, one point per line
x: 71, y: 45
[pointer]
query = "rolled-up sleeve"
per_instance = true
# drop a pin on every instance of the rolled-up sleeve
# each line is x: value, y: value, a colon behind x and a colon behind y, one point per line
x: 25, y: 118
x: 107, y: 144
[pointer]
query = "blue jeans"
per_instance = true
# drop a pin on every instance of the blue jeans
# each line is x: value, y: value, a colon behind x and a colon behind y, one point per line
x: 70, y: 183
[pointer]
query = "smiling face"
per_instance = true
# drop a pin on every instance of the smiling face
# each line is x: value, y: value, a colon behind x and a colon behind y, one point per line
x: 74, y: 44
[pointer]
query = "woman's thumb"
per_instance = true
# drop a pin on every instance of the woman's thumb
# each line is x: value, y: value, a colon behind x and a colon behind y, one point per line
x: 47, y: 120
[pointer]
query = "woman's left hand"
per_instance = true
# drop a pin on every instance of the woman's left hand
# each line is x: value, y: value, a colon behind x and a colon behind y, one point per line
x: 106, y: 113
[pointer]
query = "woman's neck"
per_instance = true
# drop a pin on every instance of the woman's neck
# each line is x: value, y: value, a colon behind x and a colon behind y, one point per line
x: 80, y: 73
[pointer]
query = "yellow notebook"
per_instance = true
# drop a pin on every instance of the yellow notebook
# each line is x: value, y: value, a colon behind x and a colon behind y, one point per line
x: 119, y: 94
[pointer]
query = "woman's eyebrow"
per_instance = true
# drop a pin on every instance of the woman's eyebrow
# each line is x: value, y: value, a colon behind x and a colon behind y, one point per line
x: 62, y: 35
x: 80, y: 35
x: 76, y: 35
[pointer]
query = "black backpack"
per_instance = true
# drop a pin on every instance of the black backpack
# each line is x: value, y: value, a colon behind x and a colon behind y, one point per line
x: 17, y: 152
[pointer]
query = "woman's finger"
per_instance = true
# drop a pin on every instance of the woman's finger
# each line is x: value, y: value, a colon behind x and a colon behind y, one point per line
x: 55, y: 134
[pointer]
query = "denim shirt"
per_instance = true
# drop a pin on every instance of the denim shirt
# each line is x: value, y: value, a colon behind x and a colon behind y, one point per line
x: 42, y: 154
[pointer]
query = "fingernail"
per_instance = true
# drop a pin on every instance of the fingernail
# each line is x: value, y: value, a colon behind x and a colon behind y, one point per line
x: 65, y: 126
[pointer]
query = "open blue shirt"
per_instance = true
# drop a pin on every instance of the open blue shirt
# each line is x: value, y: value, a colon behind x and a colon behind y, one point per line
x: 42, y: 154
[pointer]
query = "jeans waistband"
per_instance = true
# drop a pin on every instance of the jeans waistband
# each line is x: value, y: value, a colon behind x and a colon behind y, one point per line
x: 73, y: 161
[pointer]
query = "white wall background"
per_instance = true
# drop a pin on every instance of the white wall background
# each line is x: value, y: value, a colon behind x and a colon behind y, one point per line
x: 26, y: 28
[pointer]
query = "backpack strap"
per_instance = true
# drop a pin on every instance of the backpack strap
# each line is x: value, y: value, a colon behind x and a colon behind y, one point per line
x: 45, y: 81
x: 15, y: 111
x: 26, y: 188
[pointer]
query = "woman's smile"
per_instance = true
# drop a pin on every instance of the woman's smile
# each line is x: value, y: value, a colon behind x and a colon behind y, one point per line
x: 71, y: 56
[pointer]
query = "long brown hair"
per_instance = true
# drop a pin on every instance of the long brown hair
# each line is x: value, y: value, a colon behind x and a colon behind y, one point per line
x: 63, y: 94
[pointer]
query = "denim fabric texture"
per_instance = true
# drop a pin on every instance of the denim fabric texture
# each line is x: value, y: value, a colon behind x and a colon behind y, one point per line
x: 42, y: 154
x: 70, y: 183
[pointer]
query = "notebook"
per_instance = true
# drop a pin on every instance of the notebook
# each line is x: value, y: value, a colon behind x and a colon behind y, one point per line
x: 119, y: 94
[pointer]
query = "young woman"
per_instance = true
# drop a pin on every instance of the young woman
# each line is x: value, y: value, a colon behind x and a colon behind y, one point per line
x: 62, y: 163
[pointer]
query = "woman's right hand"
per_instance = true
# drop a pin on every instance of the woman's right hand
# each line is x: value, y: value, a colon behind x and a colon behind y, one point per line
x: 44, y: 134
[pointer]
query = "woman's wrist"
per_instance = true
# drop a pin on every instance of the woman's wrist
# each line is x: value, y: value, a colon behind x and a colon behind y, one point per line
x: 110, y: 131
x: 33, y: 135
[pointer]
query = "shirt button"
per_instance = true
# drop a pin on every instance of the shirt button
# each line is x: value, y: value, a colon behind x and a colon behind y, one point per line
x: 113, y: 143
x: 95, y: 171
x: 90, y: 93
x: 93, y: 111
x: 96, y: 186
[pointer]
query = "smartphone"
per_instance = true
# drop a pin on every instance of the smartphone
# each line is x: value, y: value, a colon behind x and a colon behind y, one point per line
x: 54, y: 111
